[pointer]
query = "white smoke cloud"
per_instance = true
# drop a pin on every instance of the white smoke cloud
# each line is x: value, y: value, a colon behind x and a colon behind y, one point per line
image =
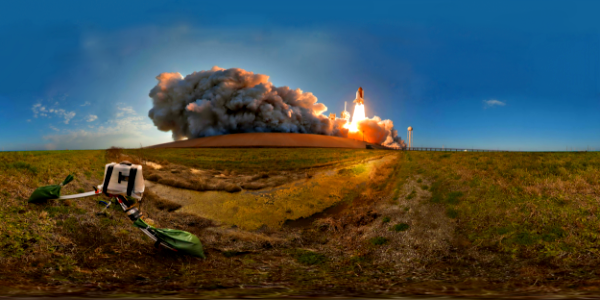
x: 378, y: 131
x: 222, y: 101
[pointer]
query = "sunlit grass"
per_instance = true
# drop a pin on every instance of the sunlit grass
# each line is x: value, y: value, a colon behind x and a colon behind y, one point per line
x: 532, y: 204
x: 25, y: 231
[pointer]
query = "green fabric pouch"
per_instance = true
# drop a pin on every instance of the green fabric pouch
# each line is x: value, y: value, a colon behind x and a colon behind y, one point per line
x: 178, y: 239
x: 46, y: 193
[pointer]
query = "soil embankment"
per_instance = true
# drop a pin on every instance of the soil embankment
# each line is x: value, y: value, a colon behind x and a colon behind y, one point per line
x: 270, y: 140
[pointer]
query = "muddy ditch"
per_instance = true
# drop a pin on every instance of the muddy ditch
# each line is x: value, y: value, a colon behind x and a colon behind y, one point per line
x: 230, y: 181
x: 281, y: 196
x: 210, y: 180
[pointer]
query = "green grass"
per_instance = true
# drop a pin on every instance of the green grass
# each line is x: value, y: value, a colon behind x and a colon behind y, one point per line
x: 40, y: 166
x: 530, y: 204
x: 24, y: 228
x: 452, y: 213
x: 24, y: 166
x: 357, y: 170
x: 400, y: 227
x: 54, y: 211
x: 378, y: 241
x: 260, y: 159
x: 385, y: 220
x: 306, y: 257
x: 453, y: 197
x: 354, y: 171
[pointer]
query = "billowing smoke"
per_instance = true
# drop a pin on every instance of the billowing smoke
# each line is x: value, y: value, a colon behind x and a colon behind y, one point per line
x: 222, y: 101
x: 378, y: 131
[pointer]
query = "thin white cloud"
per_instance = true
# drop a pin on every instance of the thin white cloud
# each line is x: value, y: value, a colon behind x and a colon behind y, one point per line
x: 492, y: 103
x: 127, y: 110
x: 53, y: 128
x: 68, y: 115
x: 127, y: 129
x: 91, y: 118
x: 41, y: 111
x: 87, y: 103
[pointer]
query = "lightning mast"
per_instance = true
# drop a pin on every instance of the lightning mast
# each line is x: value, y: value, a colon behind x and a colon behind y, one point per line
x: 345, y: 113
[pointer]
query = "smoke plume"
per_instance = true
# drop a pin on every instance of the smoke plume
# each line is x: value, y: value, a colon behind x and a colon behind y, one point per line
x: 222, y: 101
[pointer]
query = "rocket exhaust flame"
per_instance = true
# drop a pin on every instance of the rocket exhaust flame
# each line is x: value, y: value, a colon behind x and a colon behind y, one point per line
x: 371, y: 130
x: 359, y: 111
x: 357, y: 116
x: 222, y: 101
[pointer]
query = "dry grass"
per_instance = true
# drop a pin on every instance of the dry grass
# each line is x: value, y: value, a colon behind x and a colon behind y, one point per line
x: 196, y: 184
x: 427, y: 237
x: 486, y: 224
x: 161, y: 203
x: 233, y: 239
x: 516, y: 210
x: 531, y: 205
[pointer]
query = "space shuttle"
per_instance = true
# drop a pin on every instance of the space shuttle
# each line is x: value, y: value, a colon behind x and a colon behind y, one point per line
x: 359, y: 96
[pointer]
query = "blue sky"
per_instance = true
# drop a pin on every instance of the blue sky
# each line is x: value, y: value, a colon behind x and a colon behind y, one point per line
x: 477, y: 74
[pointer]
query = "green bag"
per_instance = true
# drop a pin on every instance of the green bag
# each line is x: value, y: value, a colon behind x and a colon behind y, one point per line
x: 178, y: 239
x: 45, y: 193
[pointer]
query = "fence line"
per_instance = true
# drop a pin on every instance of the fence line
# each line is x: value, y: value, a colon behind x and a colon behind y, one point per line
x: 451, y: 149
x: 478, y: 150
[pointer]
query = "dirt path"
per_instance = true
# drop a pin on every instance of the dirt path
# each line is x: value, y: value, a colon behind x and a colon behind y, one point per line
x: 415, y: 228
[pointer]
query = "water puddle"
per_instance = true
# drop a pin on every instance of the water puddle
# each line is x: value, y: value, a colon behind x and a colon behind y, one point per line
x: 154, y: 165
x: 252, y: 210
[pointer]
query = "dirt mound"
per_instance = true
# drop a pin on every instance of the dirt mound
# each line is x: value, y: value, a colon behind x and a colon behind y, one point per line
x: 271, y: 140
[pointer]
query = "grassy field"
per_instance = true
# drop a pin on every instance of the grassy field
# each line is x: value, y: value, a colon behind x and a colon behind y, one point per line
x: 429, y: 223
x: 256, y: 159
x: 23, y: 231
x: 529, y: 205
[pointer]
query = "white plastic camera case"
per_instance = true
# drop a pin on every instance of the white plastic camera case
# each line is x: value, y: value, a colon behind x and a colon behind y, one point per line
x: 121, y: 182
